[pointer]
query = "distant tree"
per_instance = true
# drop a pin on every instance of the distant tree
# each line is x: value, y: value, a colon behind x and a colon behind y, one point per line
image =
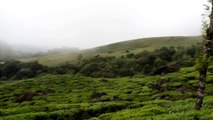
x: 165, y: 53
x: 88, y: 69
x: 202, y: 62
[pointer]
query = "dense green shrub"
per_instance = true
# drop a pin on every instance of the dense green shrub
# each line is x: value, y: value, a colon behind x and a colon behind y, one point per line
x: 159, y: 61
x: 63, y: 69
x: 20, y: 70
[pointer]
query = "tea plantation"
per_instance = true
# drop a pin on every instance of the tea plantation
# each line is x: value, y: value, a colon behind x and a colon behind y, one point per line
x: 75, y: 97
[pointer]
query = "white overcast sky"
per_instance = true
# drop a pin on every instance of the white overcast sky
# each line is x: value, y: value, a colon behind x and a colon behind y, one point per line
x: 90, y: 23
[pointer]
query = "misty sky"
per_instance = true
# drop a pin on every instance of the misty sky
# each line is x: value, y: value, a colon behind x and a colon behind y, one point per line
x: 90, y: 23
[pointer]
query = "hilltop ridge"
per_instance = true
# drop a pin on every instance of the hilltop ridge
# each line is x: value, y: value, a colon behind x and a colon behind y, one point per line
x: 119, y: 49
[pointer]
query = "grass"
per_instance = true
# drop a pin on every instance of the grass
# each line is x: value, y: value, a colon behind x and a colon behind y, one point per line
x: 75, y: 97
x: 118, y: 49
x: 149, y: 44
x: 54, y: 60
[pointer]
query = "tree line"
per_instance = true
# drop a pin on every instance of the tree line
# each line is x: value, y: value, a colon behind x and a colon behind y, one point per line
x: 158, y: 61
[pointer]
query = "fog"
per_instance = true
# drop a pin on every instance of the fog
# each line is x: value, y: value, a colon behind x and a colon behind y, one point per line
x: 91, y: 23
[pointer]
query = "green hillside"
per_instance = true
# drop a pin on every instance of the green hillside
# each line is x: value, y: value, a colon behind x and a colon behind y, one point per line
x: 158, y: 84
x: 73, y: 97
x: 53, y: 60
x: 149, y: 44
x: 118, y: 49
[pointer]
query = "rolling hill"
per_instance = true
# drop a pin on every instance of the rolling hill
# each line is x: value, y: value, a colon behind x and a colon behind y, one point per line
x: 118, y: 49
x: 149, y: 44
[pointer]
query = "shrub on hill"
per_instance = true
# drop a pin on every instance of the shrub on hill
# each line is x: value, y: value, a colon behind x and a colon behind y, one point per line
x: 19, y: 70
x: 159, y: 61
x: 63, y: 69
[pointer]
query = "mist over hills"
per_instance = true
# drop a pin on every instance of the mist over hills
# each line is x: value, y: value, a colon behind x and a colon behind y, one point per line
x: 6, y: 51
x: 16, y: 51
x: 28, y: 49
x: 63, y: 50
x: 63, y: 55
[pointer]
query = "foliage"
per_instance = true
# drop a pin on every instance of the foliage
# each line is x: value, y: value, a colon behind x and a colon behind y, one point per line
x: 76, y: 97
x: 61, y: 93
x: 117, y: 49
x: 159, y: 61
x: 201, y: 63
x: 20, y: 70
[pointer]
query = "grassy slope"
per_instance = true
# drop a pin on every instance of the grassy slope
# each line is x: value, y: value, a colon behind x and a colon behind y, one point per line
x: 149, y: 44
x: 118, y: 49
x: 124, y: 98
x: 53, y: 60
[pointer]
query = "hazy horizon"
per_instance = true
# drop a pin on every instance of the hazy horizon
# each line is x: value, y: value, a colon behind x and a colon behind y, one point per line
x: 86, y: 24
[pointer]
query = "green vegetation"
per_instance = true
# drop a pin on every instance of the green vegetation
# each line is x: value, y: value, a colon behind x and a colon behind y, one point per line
x: 156, y: 62
x: 53, y: 59
x: 74, y: 97
x: 118, y: 49
x: 139, y: 45
x: 20, y: 70
x: 159, y: 82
